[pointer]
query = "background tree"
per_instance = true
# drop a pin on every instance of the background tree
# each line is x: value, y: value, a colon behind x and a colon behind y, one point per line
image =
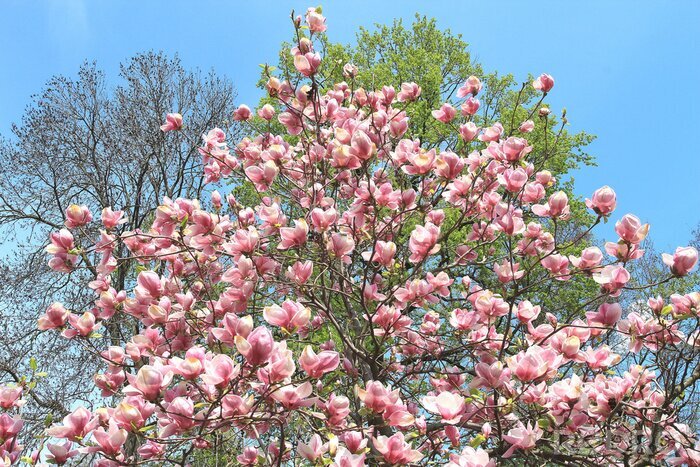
x: 84, y: 140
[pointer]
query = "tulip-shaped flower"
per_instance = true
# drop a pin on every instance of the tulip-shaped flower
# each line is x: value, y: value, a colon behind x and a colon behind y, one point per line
x: 383, y: 253
x: 293, y: 236
x: 376, y: 396
x: 603, y: 201
x: 608, y: 314
x: 292, y: 397
x: 220, y: 370
x: 290, y: 316
x: 631, y: 230
x: 471, y: 86
x: 257, y: 347
x: 445, y: 114
x: 315, y: 20
x: 242, y: 113
x: 77, y: 216
x: 470, y: 457
x: 423, y: 242
x: 111, y: 219
x: 409, y: 92
x: 557, y: 206
x: 522, y: 437
x: 395, y: 450
x: 110, y: 441
x: 60, y: 453
x: 173, y: 122
x: 448, y: 405
x: 149, y: 382
x: 56, y: 316
x: 316, y: 365
x: 75, y: 425
x: 682, y: 261
x: 543, y: 83
x: 312, y: 450
x: 10, y: 397
x: 83, y: 325
x: 9, y: 427
x: 534, y: 363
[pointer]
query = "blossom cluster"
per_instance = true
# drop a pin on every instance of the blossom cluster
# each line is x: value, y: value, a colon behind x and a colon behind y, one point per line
x: 366, y: 300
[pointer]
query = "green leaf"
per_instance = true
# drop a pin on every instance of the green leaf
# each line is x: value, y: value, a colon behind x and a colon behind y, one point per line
x: 32, y: 364
x: 477, y: 440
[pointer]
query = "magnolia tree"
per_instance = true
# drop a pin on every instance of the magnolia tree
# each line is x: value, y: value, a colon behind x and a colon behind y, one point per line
x: 377, y: 303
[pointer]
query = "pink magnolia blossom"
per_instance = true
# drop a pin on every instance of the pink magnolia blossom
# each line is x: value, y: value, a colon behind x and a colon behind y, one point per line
x: 242, y: 113
x: 361, y: 146
x: 608, y: 314
x: 315, y: 20
x: 589, y: 260
x: 631, y: 230
x: 111, y: 219
x: 60, y: 453
x: 148, y: 382
x: 10, y: 396
x: 55, y: 317
x: 527, y: 126
x: 82, y: 325
x: 471, y: 86
x: 293, y: 237
x: 77, y: 216
x: 291, y: 315
x: 470, y: 106
x: 110, y: 441
x: 314, y: 449
x: 377, y: 397
x: 445, y: 114
x: 534, y: 363
x: 682, y: 261
x: 257, y: 346
x: 468, y: 131
x: 409, y: 92
x: 448, y: 405
x: 383, y: 253
x: 558, y: 206
x: 603, y: 201
x: 173, y: 122
x: 292, y: 397
x: 266, y: 112
x: 307, y: 64
x: 76, y: 424
x: 522, y: 437
x: 300, y: 272
x: 543, y: 83
x: 340, y: 246
x: 612, y: 278
x: 350, y: 70
x: 316, y: 365
x: 508, y: 272
x: 395, y: 450
x: 470, y: 457
x: 344, y: 458
x: 423, y: 242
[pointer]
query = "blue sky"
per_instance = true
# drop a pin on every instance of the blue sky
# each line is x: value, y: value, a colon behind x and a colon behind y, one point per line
x: 627, y: 71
